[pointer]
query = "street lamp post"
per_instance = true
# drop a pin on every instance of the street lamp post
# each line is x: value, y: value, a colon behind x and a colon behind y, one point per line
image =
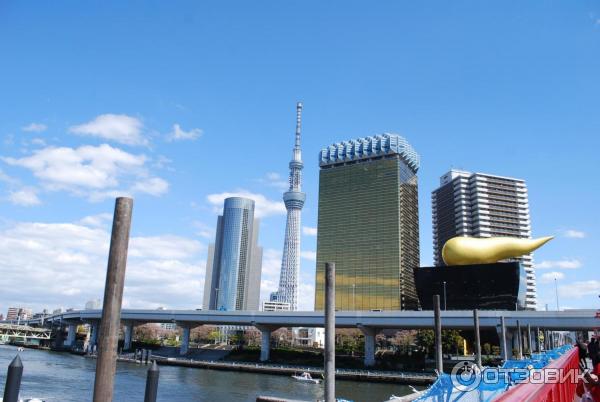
x: 444, y: 283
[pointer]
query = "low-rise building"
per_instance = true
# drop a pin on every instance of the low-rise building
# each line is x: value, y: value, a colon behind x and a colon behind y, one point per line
x: 18, y: 313
x: 310, y: 337
x: 275, y: 306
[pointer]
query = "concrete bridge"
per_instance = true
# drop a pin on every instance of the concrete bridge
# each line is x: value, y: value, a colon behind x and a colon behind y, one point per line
x: 369, y: 322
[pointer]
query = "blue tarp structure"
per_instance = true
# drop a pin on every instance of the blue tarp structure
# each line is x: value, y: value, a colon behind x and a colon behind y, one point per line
x: 491, y: 382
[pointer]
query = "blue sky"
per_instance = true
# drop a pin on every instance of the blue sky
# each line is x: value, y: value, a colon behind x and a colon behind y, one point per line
x: 179, y: 103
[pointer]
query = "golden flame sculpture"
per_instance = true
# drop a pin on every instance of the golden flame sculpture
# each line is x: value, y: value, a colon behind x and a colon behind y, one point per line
x: 474, y: 250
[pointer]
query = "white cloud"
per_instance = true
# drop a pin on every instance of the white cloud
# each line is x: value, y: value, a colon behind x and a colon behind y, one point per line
x: 309, y: 231
x: 95, y: 172
x: 548, y: 277
x: 306, y: 300
x: 271, y: 264
x: 559, y: 264
x: 38, y: 141
x: 309, y: 255
x: 7, y: 179
x: 163, y: 247
x: 204, y: 230
x: 101, y: 220
x: 35, y: 127
x: 26, y: 197
x: 264, y: 207
x: 574, y: 234
x: 115, y: 127
x: 271, y: 269
x: 178, y: 134
x: 153, y: 186
x: 273, y: 179
x: 64, y: 264
x: 577, y: 290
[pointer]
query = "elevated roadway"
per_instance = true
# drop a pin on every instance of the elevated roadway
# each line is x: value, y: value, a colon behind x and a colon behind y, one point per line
x: 568, y: 320
x: 369, y: 322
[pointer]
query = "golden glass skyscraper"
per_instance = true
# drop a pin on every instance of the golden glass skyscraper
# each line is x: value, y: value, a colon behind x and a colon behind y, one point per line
x: 368, y: 223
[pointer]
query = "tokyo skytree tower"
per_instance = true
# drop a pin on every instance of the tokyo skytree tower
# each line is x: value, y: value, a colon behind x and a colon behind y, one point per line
x: 294, y: 201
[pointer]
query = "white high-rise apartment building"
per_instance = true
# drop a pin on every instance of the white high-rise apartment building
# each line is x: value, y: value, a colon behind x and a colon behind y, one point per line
x: 482, y: 205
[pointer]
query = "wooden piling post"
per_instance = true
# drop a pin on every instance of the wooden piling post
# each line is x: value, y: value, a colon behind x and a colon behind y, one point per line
x: 330, y: 332
x: 519, y: 341
x: 437, y: 322
x: 13, y: 380
x: 503, y: 339
x: 152, y: 383
x: 477, y: 338
x: 108, y: 338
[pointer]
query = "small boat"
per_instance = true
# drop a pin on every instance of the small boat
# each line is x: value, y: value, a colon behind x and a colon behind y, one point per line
x: 406, y: 398
x: 306, y: 377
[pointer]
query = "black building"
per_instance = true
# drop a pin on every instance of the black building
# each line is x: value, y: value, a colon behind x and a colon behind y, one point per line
x: 498, y: 286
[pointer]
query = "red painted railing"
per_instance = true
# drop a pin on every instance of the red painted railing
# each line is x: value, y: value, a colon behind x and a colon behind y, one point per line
x: 561, y: 388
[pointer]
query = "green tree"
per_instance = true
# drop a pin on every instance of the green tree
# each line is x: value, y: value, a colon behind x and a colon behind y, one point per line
x: 214, y: 336
x: 451, y: 341
x: 425, y: 339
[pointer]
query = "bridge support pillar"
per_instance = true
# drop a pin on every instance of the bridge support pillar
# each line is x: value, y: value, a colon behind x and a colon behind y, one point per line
x: 265, y: 342
x: 369, y: 334
x: 71, y: 336
x: 511, y: 340
x: 94, y: 335
x: 502, y: 335
x: 59, y: 337
x: 185, y: 341
x: 128, y: 336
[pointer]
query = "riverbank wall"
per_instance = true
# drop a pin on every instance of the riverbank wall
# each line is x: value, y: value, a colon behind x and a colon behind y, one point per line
x: 406, y: 378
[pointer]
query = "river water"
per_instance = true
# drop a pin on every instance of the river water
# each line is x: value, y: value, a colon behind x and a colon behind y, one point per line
x: 65, y: 377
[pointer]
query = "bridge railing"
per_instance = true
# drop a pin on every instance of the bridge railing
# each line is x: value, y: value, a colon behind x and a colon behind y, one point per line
x: 556, y: 382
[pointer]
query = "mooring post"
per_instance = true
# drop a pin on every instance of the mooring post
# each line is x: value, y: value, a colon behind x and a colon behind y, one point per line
x: 503, y: 339
x: 108, y: 338
x: 330, y: 332
x: 437, y: 322
x: 519, y: 341
x: 13, y: 380
x: 477, y: 338
x: 152, y: 383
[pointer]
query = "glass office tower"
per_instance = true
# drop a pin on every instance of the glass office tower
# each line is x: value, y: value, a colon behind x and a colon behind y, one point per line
x: 233, y: 267
x: 368, y: 223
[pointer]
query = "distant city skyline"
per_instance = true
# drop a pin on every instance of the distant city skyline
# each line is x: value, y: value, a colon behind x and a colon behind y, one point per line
x: 185, y: 106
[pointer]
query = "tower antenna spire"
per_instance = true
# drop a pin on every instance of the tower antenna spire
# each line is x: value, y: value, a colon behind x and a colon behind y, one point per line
x: 298, y: 124
x: 294, y: 201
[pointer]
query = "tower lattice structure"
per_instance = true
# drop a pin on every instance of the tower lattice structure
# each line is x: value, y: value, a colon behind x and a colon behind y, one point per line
x: 294, y: 201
